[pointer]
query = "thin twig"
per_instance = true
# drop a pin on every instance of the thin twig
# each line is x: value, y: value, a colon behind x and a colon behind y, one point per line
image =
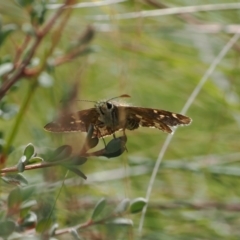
x: 85, y: 4
x: 13, y: 78
x: 168, y: 11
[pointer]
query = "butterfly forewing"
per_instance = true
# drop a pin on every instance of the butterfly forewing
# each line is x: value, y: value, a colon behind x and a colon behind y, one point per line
x: 79, y: 121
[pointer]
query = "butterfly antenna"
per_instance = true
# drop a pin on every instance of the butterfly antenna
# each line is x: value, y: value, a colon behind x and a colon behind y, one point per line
x: 82, y: 100
x: 121, y: 96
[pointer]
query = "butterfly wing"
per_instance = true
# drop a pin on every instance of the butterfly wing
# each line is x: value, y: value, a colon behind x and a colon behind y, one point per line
x: 105, y: 131
x: 153, y: 118
x: 74, y: 122
x: 80, y: 122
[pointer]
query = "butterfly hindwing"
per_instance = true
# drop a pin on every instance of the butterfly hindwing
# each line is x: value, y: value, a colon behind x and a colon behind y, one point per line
x: 155, y: 118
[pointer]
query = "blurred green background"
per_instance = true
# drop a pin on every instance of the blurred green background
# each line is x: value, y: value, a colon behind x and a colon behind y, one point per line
x: 158, y: 61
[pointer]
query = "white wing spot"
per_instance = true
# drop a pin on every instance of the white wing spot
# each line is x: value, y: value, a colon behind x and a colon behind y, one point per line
x: 174, y: 115
x: 161, y: 116
x: 72, y: 122
x: 138, y: 116
x: 155, y: 111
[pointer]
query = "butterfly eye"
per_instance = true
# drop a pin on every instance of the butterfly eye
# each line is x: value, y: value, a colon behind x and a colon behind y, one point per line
x: 109, y: 105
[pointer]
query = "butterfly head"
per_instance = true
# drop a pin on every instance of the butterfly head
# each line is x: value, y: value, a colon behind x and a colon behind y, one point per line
x: 104, y: 107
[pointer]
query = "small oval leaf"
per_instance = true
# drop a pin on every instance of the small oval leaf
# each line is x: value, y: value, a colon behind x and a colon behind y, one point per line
x: 35, y: 160
x: 43, y: 225
x: 53, y: 229
x: 75, y: 234
x: 21, y: 164
x: 6, y: 228
x: 61, y: 153
x: 5, y: 67
x: 24, y: 3
x: 14, y: 198
x: 77, y: 160
x: 6, y: 31
x: 115, y: 147
x: 123, y: 206
x: 77, y: 171
x: 137, y: 205
x: 29, y: 221
x: 98, y: 208
x: 29, y: 151
x: 90, y: 131
x: 93, y: 142
x: 16, y: 179
x: 45, y: 80
x: 121, y: 221
x: 29, y: 204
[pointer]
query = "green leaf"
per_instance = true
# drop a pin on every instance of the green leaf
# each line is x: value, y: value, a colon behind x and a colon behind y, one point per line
x: 43, y: 225
x: 21, y: 164
x: 6, y: 228
x: 25, y: 208
x: 35, y: 160
x: 121, y: 221
x: 85, y: 38
x: 61, y: 153
x: 16, y: 179
x: 90, y: 131
x: 29, y: 151
x: 14, y: 198
x: 5, y: 67
x: 28, y: 29
x: 29, y: 204
x: 53, y: 229
x: 98, y: 208
x: 7, y: 111
x: 115, y: 147
x: 5, y: 31
x: 30, y: 220
x: 27, y: 192
x: 77, y: 171
x: 123, y: 206
x: 24, y: 3
x: 76, y: 160
x: 75, y: 234
x: 38, y: 12
x: 93, y: 142
x: 45, y: 80
x: 90, y: 142
x: 137, y: 205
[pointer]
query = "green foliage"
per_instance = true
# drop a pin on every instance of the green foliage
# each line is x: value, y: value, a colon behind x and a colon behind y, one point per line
x: 137, y: 205
x: 49, y: 54
x: 6, y: 228
x: 5, y: 31
x: 98, y: 208
x: 15, y: 179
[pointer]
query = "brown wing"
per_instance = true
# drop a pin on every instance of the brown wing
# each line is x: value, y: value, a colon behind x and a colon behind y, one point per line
x: 156, y: 118
x: 104, y: 131
x: 74, y: 122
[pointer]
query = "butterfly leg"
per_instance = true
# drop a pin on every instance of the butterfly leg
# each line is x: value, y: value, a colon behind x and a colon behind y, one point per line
x: 124, y: 133
x: 100, y: 135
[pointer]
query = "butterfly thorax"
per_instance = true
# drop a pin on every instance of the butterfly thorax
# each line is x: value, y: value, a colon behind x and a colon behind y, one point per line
x: 108, y: 114
x: 115, y: 117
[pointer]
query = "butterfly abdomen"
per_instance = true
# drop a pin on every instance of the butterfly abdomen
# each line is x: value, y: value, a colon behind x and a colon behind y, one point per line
x: 132, y: 124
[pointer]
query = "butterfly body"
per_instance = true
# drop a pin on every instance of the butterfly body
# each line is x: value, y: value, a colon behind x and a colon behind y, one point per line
x: 108, y: 117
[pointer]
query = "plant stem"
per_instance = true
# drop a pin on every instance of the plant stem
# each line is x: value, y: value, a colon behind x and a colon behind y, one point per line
x: 19, y: 117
